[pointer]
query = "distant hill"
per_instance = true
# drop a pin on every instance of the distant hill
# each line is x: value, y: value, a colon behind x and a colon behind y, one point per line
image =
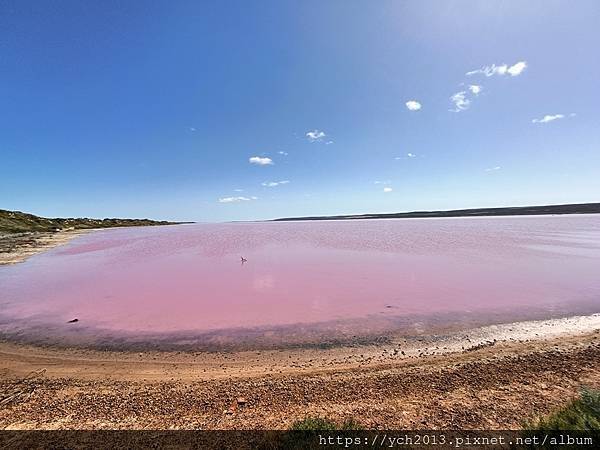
x: 580, y: 208
x: 19, y: 222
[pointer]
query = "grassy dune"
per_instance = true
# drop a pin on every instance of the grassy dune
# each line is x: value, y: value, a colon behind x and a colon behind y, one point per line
x: 19, y: 222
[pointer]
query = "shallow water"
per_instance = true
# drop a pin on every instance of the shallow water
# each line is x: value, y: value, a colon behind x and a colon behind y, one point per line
x: 345, y: 277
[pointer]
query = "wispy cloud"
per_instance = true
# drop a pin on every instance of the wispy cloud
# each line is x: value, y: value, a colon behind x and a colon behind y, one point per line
x: 281, y: 152
x: 408, y: 155
x: 382, y: 182
x: 275, y: 183
x: 315, y: 135
x: 387, y: 189
x: 493, y: 169
x: 236, y: 199
x: 261, y: 161
x: 238, y: 190
x: 460, y: 100
x: 502, y: 69
x: 192, y: 129
x: 413, y: 105
x: 549, y: 118
x: 328, y: 142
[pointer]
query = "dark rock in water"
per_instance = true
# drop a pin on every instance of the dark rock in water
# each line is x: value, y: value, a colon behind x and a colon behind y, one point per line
x: 73, y: 321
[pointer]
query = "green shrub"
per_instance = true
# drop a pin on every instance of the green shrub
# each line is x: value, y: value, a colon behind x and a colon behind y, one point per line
x: 582, y: 414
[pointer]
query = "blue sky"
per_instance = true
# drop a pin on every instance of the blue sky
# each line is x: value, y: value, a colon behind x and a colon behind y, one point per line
x: 226, y: 110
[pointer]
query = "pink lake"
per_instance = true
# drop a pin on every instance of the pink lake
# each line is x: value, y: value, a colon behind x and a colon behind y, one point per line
x: 303, y: 282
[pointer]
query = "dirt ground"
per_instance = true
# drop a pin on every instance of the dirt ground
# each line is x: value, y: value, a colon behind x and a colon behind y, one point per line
x: 484, y: 387
x: 17, y: 247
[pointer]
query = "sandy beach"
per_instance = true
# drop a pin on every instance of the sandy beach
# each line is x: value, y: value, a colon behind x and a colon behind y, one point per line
x: 471, y: 382
x: 17, y: 247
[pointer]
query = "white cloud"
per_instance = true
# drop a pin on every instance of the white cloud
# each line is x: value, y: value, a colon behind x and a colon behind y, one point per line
x: 460, y: 100
x: 315, y: 135
x: 387, y: 189
x: 548, y: 118
x: 488, y: 71
x: 408, y: 155
x: 281, y: 152
x: 517, y: 68
x: 236, y: 199
x: 503, y: 69
x: 275, y: 183
x: 493, y: 169
x: 382, y: 182
x: 238, y: 190
x: 413, y: 105
x: 328, y: 142
x: 261, y: 161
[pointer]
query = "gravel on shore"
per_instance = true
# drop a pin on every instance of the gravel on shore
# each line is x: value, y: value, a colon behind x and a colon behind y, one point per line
x: 491, y: 387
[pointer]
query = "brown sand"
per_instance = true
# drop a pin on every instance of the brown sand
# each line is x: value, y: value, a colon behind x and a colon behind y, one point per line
x: 485, y: 385
x: 17, y: 247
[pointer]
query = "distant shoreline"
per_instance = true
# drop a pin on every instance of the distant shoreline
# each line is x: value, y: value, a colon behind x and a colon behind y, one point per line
x: 576, y: 208
x: 23, y: 235
x: 19, y: 222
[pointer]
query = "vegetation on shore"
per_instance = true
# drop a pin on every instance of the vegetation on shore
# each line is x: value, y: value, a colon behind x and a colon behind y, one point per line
x: 581, y: 414
x: 19, y: 222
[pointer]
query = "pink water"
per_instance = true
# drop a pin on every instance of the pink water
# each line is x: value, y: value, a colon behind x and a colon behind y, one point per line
x: 338, y: 276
